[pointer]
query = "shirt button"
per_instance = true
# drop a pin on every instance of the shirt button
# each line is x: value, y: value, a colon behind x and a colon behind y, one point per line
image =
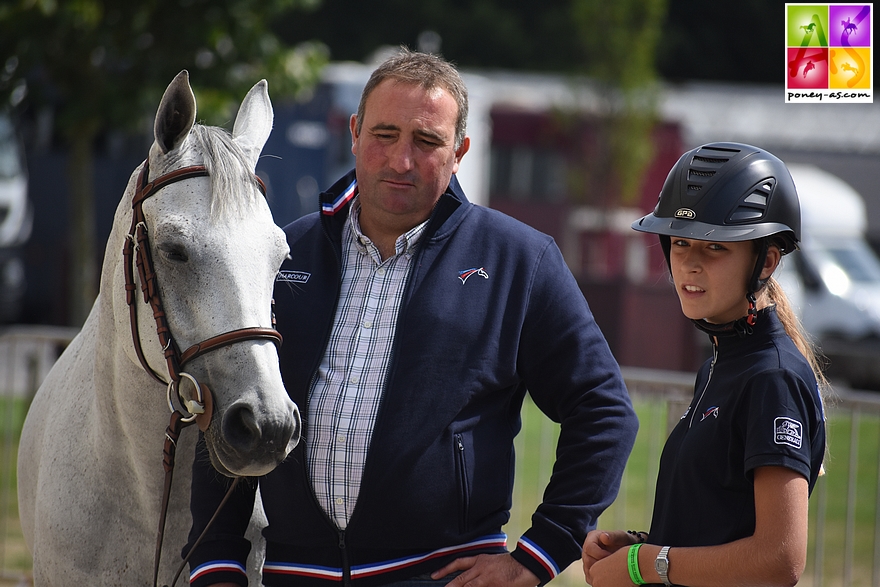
x: 380, y: 271
x: 353, y: 379
x: 368, y: 323
x: 339, y: 501
x: 340, y: 438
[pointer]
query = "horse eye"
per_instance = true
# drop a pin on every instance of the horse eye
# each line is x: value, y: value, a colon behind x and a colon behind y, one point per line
x: 173, y: 252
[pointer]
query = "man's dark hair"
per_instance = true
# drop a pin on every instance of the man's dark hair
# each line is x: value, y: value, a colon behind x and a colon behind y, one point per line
x: 428, y: 71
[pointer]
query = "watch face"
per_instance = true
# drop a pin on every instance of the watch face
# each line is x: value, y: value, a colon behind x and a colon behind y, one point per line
x: 661, y: 565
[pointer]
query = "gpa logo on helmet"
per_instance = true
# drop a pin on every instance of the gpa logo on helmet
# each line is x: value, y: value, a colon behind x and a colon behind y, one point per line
x: 685, y: 213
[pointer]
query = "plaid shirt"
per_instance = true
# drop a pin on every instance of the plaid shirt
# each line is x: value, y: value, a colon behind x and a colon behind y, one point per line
x: 345, y: 398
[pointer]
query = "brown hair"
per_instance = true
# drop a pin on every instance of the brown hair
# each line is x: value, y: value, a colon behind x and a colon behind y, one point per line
x: 775, y: 295
x: 428, y: 71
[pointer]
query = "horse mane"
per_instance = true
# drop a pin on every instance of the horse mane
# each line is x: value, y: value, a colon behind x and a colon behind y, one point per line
x: 231, y: 175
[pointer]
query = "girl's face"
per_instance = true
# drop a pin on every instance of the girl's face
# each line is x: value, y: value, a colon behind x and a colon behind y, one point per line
x: 710, y: 277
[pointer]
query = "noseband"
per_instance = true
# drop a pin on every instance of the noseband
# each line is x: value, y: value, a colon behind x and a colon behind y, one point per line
x: 198, y: 409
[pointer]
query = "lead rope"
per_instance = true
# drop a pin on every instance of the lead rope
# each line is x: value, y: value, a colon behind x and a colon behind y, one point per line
x: 226, y: 497
x: 172, y: 433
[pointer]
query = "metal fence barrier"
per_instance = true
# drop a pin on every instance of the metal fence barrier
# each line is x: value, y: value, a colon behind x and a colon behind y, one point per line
x: 844, y: 535
x: 844, y: 518
x: 26, y: 355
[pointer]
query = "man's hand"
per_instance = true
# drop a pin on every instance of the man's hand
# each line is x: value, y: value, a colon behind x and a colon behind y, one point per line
x: 488, y: 570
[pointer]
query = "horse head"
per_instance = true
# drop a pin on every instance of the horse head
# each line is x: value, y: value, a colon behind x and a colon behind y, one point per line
x: 215, y: 252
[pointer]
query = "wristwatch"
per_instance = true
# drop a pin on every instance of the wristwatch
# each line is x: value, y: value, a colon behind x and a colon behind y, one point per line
x: 661, y: 565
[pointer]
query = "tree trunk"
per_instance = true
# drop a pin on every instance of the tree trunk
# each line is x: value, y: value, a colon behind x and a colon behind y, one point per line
x: 83, y: 265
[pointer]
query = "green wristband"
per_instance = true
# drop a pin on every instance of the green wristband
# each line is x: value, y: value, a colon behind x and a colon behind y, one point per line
x: 632, y: 560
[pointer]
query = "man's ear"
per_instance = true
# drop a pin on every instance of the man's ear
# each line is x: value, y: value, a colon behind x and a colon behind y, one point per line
x: 352, y: 125
x: 459, y: 153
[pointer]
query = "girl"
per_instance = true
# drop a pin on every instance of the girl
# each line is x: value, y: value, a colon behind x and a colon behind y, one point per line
x: 736, y: 472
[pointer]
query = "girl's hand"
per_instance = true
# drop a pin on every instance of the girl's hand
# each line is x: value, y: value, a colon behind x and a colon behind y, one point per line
x: 600, y: 544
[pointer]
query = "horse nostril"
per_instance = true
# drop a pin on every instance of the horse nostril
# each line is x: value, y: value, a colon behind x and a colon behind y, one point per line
x: 240, y: 427
x: 244, y: 433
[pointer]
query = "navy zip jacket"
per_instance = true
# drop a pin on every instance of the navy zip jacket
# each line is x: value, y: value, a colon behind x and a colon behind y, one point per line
x: 490, y: 311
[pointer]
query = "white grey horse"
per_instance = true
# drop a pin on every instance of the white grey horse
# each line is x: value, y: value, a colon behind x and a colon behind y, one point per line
x: 90, y: 461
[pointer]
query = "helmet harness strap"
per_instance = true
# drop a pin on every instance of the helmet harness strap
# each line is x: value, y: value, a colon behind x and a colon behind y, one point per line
x: 756, y: 284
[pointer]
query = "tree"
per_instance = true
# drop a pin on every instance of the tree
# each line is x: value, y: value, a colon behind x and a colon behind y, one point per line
x: 506, y: 34
x: 103, y: 64
x: 699, y: 40
x: 733, y: 41
x: 619, y: 43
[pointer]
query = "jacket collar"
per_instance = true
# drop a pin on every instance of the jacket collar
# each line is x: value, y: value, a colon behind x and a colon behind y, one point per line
x: 738, y: 333
x: 336, y: 204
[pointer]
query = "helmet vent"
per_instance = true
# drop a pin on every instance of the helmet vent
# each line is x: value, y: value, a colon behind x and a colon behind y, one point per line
x: 756, y: 198
x: 753, y: 205
x: 711, y: 160
x: 702, y: 170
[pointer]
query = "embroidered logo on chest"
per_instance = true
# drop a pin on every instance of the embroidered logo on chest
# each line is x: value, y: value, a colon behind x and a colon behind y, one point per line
x: 713, y: 411
x: 789, y: 432
x: 464, y: 275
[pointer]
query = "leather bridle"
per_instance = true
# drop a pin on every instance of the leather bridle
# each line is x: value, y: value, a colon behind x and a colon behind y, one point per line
x: 198, y: 409
x: 138, y: 244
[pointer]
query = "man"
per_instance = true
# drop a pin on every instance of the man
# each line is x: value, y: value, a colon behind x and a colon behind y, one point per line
x: 414, y: 322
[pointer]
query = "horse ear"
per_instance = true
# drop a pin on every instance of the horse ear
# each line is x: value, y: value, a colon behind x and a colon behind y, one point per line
x: 176, y: 115
x: 254, y: 121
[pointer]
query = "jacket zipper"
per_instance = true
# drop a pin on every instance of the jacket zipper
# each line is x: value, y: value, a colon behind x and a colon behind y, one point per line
x: 346, y: 567
x: 705, y: 387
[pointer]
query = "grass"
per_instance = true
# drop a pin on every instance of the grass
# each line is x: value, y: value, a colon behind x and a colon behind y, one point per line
x: 852, y: 478
x: 15, y: 560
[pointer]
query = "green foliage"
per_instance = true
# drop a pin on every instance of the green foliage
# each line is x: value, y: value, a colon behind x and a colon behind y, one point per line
x: 100, y: 65
x: 508, y: 34
x: 619, y: 41
x: 104, y: 63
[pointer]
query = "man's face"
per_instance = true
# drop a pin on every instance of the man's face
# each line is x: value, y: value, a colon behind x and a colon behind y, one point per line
x: 405, y: 154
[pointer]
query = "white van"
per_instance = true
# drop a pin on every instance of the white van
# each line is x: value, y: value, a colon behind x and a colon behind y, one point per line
x: 16, y: 220
x: 834, y: 280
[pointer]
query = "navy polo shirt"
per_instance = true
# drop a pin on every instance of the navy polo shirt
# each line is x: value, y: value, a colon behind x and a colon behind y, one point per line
x: 756, y: 403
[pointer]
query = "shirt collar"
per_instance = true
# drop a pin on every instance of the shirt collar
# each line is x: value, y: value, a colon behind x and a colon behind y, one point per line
x: 405, y: 244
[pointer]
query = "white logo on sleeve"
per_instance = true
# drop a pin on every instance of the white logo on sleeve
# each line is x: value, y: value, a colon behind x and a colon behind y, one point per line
x: 788, y: 431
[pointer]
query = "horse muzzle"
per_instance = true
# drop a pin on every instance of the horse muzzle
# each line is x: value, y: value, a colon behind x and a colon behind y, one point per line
x: 241, y: 441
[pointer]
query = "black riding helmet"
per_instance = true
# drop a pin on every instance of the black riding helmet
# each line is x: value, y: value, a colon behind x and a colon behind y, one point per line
x: 728, y: 192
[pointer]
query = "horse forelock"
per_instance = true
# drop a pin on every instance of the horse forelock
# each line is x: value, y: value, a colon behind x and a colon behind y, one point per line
x: 232, y: 179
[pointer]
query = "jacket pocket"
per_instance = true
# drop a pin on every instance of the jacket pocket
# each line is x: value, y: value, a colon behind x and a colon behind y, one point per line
x: 464, y: 485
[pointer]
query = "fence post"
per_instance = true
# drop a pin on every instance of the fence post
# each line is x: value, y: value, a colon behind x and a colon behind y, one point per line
x: 852, y: 483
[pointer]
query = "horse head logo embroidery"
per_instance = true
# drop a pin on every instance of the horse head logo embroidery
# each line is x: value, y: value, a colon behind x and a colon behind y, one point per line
x: 713, y: 411
x: 464, y: 275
